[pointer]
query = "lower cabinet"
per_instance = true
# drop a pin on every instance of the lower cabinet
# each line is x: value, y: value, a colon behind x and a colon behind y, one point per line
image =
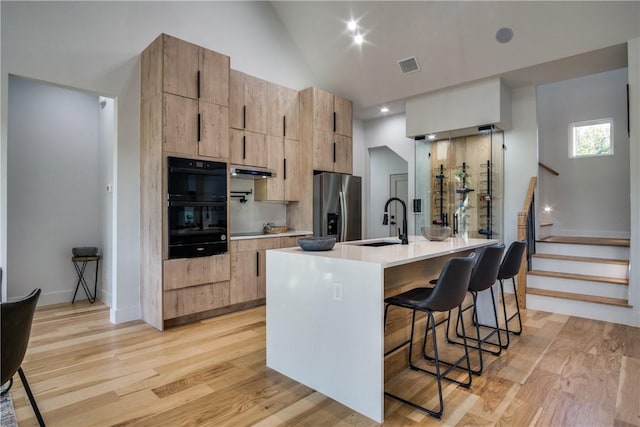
x: 248, y: 270
x: 195, y: 285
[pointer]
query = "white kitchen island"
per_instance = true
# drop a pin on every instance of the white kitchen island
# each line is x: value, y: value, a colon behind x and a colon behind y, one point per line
x: 325, y: 312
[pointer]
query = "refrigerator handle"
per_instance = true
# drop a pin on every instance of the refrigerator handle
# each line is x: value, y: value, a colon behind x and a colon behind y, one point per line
x: 343, y: 218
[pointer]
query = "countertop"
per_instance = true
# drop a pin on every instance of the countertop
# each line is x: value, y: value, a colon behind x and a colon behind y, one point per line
x: 418, y: 249
x: 292, y: 233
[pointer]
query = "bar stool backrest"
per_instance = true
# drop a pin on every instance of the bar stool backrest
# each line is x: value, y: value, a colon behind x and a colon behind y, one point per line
x: 452, y: 285
x: 16, y: 318
x: 512, y: 260
x: 485, y: 270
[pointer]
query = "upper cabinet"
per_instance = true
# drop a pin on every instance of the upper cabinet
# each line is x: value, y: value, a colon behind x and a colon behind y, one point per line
x: 326, y: 119
x: 248, y: 102
x: 282, y: 113
x: 194, y: 72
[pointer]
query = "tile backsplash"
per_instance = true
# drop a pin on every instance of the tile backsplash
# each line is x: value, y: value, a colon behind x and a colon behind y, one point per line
x: 250, y: 216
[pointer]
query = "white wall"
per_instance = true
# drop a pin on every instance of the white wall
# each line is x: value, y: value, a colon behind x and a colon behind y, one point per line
x: 106, y: 144
x: 96, y: 46
x: 52, y: 188
x: 520, y: 157
x: 590, y: 197
x: 251, y: 215
x: 386, y: 132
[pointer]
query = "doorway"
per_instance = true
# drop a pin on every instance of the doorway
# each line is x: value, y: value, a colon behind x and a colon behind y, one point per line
x: 398, y: 187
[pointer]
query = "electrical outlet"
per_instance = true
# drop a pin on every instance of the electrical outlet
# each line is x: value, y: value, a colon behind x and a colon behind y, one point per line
x: 337, y: 292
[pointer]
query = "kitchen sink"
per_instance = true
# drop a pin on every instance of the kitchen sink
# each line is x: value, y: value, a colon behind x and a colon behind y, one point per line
x: 378, y: 244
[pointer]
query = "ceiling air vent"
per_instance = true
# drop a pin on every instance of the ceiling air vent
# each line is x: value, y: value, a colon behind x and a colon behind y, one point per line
x: 409, y: 65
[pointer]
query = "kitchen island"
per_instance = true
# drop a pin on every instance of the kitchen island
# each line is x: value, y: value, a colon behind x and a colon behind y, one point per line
x: 325, y: 312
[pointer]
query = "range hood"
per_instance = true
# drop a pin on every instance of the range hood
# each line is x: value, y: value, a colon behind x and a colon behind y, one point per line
x: 250, y: 172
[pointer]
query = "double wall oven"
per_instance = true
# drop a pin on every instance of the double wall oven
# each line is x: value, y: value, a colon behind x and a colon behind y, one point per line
x: 197, y: 203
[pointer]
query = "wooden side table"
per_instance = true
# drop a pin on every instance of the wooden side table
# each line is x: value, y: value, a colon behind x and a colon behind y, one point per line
x: 80, y: 263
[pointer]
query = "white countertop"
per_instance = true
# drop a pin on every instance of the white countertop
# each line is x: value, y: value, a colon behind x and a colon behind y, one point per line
x: 418, y: 249
x: 267, y: 236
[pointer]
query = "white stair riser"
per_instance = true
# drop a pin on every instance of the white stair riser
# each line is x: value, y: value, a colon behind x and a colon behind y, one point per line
x: 609, y: 252
x: 583, y: 287
x: 607, y: 313
x: 579, y: 267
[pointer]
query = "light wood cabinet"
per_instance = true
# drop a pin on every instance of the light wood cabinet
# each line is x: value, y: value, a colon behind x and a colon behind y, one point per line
x: 283, y: 156
x: 248, y: 268
x: 247, y: 102
x: 184, y: 111
x: 327, y: 121
x: 194, y: 72
x: 248, y: 148
x: 282, y: 112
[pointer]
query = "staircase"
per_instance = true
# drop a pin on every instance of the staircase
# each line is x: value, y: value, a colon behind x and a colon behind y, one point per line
x: 581, y: 276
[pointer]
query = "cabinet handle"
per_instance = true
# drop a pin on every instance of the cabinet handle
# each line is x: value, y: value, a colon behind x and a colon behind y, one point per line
x: 284, y: 125
x: 244, y: 147
x: 198, y: 84
x: 257, y: 264
x: 244, y: 117
x: 199, y: 127
x: 334, y: 121
x: 285, y: 169
x: 334, y: 152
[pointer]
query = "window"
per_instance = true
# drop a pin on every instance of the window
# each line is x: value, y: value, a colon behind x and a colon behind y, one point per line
x: 591, y: 138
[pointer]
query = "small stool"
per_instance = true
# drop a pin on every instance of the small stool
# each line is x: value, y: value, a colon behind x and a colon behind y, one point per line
x: 80, y: 261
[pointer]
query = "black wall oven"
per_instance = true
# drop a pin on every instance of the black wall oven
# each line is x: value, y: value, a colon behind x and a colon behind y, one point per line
x: 197, y: 203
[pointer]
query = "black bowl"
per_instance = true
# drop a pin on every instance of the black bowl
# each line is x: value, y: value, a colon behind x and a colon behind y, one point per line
x: 317, y: 243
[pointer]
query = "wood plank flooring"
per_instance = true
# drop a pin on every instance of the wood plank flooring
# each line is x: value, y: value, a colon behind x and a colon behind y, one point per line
x: 84, y: 371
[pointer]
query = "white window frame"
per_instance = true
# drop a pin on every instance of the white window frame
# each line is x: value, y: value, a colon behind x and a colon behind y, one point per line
x: 574, y: 125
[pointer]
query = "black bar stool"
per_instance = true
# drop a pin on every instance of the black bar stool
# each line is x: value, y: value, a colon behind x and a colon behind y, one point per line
x: 448, y: 293
x: 483, y: 276
x: 508, y: 270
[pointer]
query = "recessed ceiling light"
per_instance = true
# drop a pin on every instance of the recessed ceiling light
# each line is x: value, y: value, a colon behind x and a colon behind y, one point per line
x: 358, y: 39
x: 504, y: 35
x: 352, y: 25
x: 431, y: 137
x: 384, y: 110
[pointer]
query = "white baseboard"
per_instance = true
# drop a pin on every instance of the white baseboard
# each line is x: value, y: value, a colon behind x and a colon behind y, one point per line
x: 56, y: 297
x: 126, y: 314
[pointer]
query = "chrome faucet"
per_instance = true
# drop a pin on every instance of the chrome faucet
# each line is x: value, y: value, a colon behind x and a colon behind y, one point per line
x: 402, y: 235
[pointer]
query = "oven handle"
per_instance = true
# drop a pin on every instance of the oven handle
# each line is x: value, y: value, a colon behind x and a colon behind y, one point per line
x: 196, y: 204
x: 199, y: 171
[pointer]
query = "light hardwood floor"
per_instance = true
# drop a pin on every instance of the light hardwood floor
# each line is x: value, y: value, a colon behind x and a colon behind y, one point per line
x: 84, y: 371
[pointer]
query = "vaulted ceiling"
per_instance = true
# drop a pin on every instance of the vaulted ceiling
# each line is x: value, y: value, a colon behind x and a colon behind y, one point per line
x: 454, y: 43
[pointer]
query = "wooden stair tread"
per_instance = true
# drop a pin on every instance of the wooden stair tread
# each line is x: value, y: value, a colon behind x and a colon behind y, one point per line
x: 582, y: 259
x: 573, y: 276
x: 578, y: 240
x: 579, y: 297
x: 546, y: 224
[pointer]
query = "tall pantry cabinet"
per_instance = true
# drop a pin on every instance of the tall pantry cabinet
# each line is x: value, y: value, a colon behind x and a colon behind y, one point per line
x: 184, y: 112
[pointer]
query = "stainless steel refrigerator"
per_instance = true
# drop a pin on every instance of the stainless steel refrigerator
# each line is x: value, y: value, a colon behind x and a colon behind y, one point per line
x: 337, y: 206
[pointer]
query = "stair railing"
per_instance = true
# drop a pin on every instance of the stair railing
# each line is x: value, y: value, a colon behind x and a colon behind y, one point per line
x: 526, y: 231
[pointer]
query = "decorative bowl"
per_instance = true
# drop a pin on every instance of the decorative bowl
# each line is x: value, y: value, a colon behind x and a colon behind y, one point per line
x: 85, y: 251
x: 317, y: 243
x: 435, y: 232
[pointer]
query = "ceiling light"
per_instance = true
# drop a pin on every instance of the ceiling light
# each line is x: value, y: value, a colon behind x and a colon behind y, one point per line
x: 358, y: 39
x: 431, y: 137
x: 352, y: 25
x: 384, y: 110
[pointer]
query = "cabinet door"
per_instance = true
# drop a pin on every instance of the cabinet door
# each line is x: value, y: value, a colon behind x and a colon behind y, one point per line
x: 236, y: 99
x: 237, y: 147
x: 291, y: 113
x: 180, y: 124
x: 195, y: 299
x: 323, y: 110
x: 293, y: 174
x: 344, y: 154
x: 245, y: 273
x: 323, y: 150
x: 256, y: 151
x: 344, y: 116
x: 214, y: 130
x: 180, y: 66
x: 282, y: 111
x: 272, y: 188
x: 214, y: 77
x: 185, y: 272
x: 255, y: 101
x: 262, y: 275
